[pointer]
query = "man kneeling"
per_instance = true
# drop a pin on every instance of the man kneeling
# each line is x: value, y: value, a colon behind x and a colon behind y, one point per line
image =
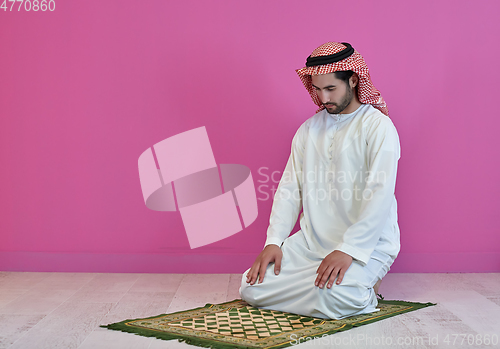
x: 342, y: 173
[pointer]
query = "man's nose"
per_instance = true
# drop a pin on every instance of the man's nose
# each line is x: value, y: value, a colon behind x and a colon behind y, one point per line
x: 324, y: 97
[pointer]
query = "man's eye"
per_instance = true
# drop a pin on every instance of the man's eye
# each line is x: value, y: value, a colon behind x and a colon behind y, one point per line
x: 330, y: 89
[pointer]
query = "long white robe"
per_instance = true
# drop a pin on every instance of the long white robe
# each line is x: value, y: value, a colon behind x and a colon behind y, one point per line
x: 342, y: 173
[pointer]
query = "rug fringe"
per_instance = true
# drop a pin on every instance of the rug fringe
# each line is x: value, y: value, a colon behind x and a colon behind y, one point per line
x: 165, y: 336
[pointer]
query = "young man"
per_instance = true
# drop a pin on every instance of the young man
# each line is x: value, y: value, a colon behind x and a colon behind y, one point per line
x: 342, y: 173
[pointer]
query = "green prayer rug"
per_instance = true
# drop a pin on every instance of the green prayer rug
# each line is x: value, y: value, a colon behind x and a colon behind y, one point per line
x: 236, y: 324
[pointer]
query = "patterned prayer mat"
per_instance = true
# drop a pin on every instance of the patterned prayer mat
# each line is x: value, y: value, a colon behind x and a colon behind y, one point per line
x: 236, y: 324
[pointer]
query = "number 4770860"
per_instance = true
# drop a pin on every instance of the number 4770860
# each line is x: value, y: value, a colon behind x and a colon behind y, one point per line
x: 29, y: 5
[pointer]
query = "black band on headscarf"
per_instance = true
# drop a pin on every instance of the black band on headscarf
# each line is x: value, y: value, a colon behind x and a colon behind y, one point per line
x: 322, y: 60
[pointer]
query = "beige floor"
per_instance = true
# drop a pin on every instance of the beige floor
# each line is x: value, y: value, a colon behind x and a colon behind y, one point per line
x: 64, y: 310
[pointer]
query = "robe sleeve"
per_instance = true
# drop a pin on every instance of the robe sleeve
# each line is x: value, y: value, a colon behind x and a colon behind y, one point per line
x: 287, y: 201
x: 383, y: 153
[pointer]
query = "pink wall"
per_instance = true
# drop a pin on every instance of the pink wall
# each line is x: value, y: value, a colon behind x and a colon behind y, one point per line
x: 84, y: 90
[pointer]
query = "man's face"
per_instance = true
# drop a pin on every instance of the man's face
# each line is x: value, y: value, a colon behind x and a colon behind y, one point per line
x: 335, y: 94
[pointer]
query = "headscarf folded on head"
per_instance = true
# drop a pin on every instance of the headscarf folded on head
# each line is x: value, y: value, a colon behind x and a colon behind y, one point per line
x: 367, y: 93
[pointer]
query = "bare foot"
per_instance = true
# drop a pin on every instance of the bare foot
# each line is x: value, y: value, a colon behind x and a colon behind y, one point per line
x: 376, y: 286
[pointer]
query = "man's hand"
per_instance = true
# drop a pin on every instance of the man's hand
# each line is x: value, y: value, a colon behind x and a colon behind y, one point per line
x: 335, y: 263
x: 271, y: 253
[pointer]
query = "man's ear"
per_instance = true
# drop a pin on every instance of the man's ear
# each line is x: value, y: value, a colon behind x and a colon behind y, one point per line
x: 353, y: 80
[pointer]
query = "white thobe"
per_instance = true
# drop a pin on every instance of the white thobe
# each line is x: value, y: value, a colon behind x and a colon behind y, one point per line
x: 342, y: 173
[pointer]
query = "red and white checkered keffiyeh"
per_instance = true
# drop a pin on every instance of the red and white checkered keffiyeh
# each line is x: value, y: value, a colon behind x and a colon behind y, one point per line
x: 367, y: 93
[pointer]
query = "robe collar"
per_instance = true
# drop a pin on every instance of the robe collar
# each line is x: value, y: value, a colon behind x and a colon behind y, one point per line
x: 343, y: 117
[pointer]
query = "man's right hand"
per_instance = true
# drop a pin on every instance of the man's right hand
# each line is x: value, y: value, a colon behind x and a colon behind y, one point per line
x: 271, y: 253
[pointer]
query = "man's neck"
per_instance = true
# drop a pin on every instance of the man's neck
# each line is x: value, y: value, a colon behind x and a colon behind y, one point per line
x: 352, y: 107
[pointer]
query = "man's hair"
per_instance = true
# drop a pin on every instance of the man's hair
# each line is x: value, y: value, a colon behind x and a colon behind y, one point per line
x: 344, y: 75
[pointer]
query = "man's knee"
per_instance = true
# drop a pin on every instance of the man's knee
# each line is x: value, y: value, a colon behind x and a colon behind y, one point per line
x: 246, y: 291
x: 348, y: 298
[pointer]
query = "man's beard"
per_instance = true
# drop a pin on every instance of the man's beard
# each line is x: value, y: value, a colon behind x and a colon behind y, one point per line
x: 343, y: 104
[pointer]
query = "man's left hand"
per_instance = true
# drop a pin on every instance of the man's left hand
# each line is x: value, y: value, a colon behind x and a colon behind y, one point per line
x: 335, y: 263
